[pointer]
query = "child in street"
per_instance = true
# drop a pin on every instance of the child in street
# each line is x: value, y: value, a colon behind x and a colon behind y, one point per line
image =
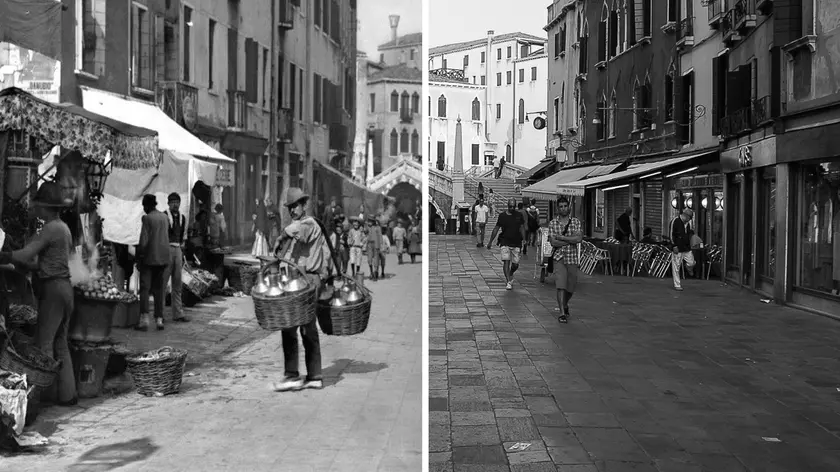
x: 385, y: 249
x: 357, y: 240
x: 374, y: 245
x: 339, y: 242
x: 399, y: 241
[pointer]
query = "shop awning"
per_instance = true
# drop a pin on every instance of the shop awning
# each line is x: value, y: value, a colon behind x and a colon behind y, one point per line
x: 645, y: 169
x: 547, y: 189
x: 535, y: 170
x: 172, y: 136
x: 73, y: 127
x: 603, y: 170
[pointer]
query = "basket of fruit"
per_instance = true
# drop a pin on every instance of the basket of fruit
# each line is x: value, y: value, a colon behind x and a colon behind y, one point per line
x: 157, y: 373
x: 95, y: 304
x: 24, y: 358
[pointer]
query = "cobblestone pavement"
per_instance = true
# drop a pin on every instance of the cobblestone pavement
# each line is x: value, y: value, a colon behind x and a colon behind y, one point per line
x: 226, y: 417
x: 642, y: 378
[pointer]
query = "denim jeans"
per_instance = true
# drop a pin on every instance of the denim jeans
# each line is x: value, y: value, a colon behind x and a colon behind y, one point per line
x: 311, y: 346
x: 55, y: 307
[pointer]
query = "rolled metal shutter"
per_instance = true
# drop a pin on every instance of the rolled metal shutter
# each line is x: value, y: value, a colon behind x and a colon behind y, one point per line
x: 609, y: 205
x: 653, y: 207
x: 621, y: 200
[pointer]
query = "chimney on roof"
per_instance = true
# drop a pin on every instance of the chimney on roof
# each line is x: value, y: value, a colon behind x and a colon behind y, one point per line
x: 395, y: 22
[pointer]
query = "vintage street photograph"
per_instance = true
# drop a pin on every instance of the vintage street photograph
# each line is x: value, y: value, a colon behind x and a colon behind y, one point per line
x: 211, y: 235
x: 634, y: 235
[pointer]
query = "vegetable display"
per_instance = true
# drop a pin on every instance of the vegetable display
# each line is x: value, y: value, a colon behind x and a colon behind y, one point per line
x: 103, y: 288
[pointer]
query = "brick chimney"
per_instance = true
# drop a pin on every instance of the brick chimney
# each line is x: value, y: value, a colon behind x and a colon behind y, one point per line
x: 395, y: 22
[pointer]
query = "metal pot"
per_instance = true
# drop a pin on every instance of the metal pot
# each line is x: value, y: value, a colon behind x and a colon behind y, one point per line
x: 337, y: 299
x: 262, y: 286
x: 351, y: 292
x: 275, y: 289
x: 293, y: 281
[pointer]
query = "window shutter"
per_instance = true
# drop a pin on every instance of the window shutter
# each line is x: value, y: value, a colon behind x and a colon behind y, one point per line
x: 233, y: 59
x: 775, y: 82
x: 602, y: 41
x: 326, y: 101
x: 715, y: 95
x: 252, y: 70
x: 281, y: 92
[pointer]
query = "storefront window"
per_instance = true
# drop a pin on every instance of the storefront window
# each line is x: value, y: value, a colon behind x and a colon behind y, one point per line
x: 733, y: 216
x: 599, y: 210
x: 717, y: 219
x: 767, y: 226
x: 819, y: 223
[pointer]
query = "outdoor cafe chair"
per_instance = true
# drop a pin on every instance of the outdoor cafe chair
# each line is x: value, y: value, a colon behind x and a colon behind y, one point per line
x: 600, y: 257
x: 714, y: 256
x: 640, y: 258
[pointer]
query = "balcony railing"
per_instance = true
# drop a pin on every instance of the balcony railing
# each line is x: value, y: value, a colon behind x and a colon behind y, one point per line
x: 286, y: 19
x: 452, y: 74
x: 747, y: 118
x: 237, y: 109
x: 744, y: 16
x: 285, y: 125
x: 715, y: 10
x: 727, y: 27
x: 685, y: 32
x: 179, y: 101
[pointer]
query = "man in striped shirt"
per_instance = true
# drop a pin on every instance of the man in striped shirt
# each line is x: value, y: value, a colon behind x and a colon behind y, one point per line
x: 565, y: 234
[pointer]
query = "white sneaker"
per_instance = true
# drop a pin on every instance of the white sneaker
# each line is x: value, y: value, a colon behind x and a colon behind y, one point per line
x: 316, y: 384
x: 509, y: 286
x: 288, y: 385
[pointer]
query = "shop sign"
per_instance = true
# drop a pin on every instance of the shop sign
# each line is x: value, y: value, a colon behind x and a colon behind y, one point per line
x: 760, y: 153
x: 571, y: 191
x: 225, y: 176
x: 30, y: 71
x: 745, y: 156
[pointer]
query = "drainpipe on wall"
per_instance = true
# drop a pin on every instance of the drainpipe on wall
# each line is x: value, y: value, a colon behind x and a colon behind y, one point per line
x: 309, y: 127
x: 487, y: 81
x: 272, y: 123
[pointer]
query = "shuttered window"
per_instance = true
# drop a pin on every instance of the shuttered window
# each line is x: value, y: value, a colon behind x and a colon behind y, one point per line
x: 252, y: 70
x: 653, y: 207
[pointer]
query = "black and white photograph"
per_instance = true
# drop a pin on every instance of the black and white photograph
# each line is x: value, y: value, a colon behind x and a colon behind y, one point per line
x: 634, y: 235
x: 212, y: 247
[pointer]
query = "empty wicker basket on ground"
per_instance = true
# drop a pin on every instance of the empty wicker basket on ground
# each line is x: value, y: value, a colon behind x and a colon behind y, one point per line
x: 25, y: 358
x: 347, y: 312
x: 158, y: 373
x: 283, y: 301
x: 242, y: 277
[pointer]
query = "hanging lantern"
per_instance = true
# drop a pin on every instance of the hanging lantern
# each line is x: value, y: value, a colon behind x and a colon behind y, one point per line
x: 689, y: 203
x: 705, y: 203
x: 674, y: 203
x: 718, y: 204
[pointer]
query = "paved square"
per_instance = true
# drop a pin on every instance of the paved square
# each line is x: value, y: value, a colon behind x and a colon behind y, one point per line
x: 641, y: 379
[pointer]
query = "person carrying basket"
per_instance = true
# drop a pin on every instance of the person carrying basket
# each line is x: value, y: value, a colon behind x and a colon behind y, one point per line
x: 304, y: 243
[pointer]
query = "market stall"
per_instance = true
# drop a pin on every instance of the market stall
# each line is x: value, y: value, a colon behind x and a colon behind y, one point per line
x: 79, y: 149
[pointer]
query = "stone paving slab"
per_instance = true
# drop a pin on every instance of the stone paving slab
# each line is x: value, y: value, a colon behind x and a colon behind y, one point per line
x: 642, y: 378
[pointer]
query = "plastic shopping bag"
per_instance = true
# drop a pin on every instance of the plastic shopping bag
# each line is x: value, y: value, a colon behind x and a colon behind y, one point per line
x: 13, y: 403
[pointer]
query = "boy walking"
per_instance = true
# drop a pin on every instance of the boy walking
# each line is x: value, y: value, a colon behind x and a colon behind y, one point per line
x: 374, y: 245
x: 357, y: 240
x: 399, y: 241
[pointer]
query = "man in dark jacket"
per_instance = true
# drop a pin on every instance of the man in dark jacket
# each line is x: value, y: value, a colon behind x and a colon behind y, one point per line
x: 152, y: 258
x: 681, y: 246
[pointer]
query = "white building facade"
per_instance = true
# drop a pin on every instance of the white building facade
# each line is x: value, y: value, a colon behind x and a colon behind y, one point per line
x: 449, y: 101
x: 513, y: 69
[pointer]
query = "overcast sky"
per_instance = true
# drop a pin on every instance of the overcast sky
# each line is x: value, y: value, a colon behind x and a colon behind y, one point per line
x: 454, y: 21
x: 374, y: 28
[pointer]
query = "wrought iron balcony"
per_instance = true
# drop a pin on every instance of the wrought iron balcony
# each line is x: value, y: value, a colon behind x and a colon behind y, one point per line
x: 744, y: 14
x: 727, y: 27
x: 715, y: 10
x: 237, y: 109
x: 452, y: 74
x: 685, y: 32
x: 286, y: 19
x: 285, y: 125
x: 179, y: 101
x: 746, y: 119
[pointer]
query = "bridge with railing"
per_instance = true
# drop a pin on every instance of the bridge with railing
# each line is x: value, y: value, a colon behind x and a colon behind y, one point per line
x: 477, y: 179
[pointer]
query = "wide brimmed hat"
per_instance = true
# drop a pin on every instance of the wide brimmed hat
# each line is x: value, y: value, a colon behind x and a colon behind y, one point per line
x: 51, y: 195
x: 294, y: 196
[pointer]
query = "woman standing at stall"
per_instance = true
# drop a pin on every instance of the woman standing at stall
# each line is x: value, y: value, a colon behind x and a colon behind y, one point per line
x: 51, y: 249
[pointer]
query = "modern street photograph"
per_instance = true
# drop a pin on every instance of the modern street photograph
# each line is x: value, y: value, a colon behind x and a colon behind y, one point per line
x: 634, y: 235
x: 211, y: 232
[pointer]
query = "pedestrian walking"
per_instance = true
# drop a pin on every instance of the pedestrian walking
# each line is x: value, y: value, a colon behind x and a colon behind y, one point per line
x: 482, y: 213
x: 415, y: 242
x: 49, y: 251
x: 399, y: 241
x: 565, y: 234
x: 533, y: 223
x: 384, y: 250
x: 153, y: 256
x: 339, y: 240
x: 303, y: 243
x: 512, y: 227
x: 520, y: 207
x: 681, y: 246
x: 218, y: 226
x: 357, y: 239
x: 260, y: 217
x: 497, y: 167
x: 177, y: 236
x: 374, y: 245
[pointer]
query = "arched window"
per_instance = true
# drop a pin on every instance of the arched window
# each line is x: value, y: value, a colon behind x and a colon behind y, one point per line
x: 441, y: 107
x: 582, y: 124
x: 647, y: 103
x: 613, y: 112
x: 415, y: 142
x: 521, y: 111
x: 614, y: 34
x: 395, y: 142
x: 507, y: 152
x: 603, y: 35
x: 669, y: 97
x: 395, y: 101
x: 476, y: 110
x: 404, y: 141
x: 601, y: 113
x: 405, y: 103
x: 415, y: 103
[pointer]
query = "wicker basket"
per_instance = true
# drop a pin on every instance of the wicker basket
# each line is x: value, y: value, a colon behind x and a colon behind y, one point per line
x: 195, y: 285
x: 21, y: 363
x: 242, y: 277
x: 345, y: 320
x: 160, y: 376
x: 288, y: 310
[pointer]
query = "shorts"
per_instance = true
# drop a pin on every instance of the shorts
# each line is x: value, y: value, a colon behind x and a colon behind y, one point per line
x: 356, y: 255
x: 565, y: 276
x: 511, y: 254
